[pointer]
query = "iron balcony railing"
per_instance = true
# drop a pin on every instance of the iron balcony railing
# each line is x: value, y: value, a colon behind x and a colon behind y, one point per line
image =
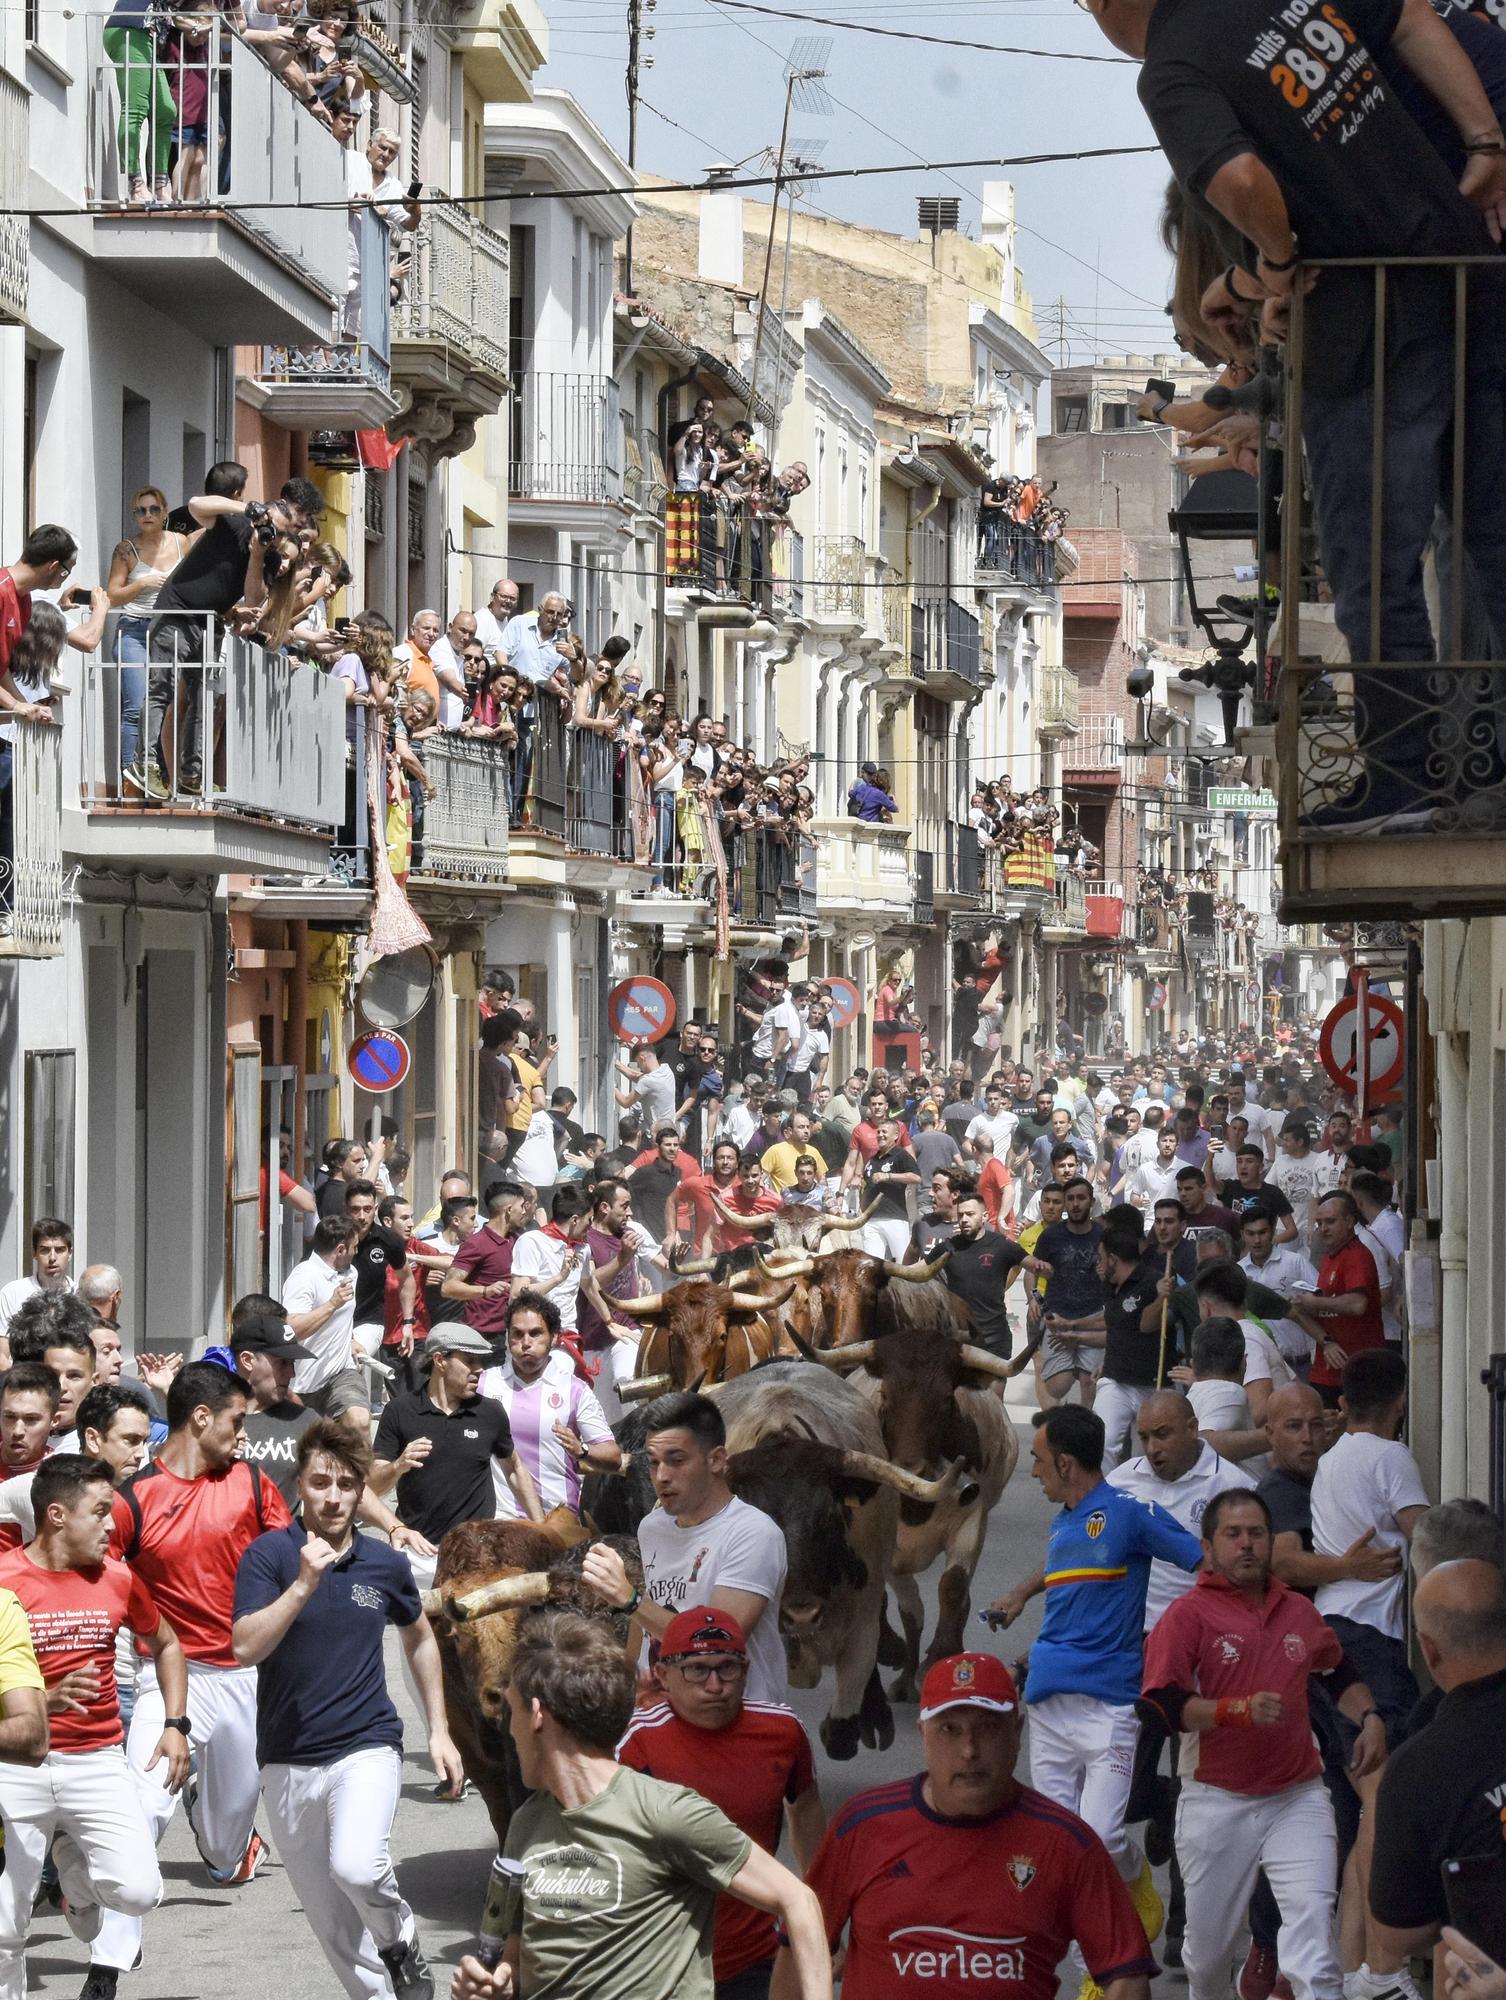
x: 362, y: 359
x: 457, y: 289
x: 32, y: 876
x: 1072, y: 902
x: 772, y: 874
x: 944, y: 639
x: 465, y: 824
x: 1058, y: 700
x: 719, y: 547
x: 838, y: 585
x: 567, y: 438
x: 892, y: 609
x: 788, y: 550
x: 925, y: 885
x: 15, y: 178
x: 1006, y: 548
x: 1098, y: 744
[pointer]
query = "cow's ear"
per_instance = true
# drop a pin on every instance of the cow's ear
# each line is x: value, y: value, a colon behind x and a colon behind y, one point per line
x: 855, y: 1493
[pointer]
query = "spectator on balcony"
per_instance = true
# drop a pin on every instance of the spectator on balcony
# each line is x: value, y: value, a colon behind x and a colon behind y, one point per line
x: 415, y: 667
x: 228, y: 565
x: 139, y: 565
x: 493, y: 716
x: 370, y: 182
x: 995, y: 506
x: 789, y: 485
x: 661, y: 759
x: 868, y: 800
x: 447, y: 658
x: 322, y: 579
x: 145, y: 97
x: 44, y: 565
x: 27, y: 697
x: 272, y: 32
x: 501, y: 609
x: 334, y: 74
x: 702, y: 414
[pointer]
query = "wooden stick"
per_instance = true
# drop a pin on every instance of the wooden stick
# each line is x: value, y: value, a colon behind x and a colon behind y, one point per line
x: 1165, y: 1315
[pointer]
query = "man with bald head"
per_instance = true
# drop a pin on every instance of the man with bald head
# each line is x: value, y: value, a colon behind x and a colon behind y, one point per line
x: 1443, y: 1794
x: 501, y: 606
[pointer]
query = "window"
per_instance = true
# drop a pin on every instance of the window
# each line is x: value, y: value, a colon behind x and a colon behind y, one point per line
x: 1072, y: 414
x: 49, y: 1136
x: 1115, y: 417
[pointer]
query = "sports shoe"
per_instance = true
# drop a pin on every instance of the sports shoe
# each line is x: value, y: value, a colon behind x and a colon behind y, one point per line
x: 1368, y: 1985
x: 133, y: 780
x: 250, y: 1861
x: 446, y: 1797
x: 1257, y: 1976
x: 100, y: 1985
x: 1146, y: 1898
x: 156, y: 784
x: 83, y: 1919
x: 408, y: 1970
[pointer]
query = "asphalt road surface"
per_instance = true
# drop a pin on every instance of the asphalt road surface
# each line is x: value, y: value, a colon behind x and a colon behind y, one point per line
x: 205, y: 1943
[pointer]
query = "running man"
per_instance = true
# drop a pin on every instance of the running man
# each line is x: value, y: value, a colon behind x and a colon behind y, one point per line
x: 557, y: 1425
x: 312, y: 1603
x: 183, y: 1523
x: 83, y: 1803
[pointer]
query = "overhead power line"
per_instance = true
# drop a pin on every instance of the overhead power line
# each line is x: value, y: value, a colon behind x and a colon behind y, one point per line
x: 914, y: 35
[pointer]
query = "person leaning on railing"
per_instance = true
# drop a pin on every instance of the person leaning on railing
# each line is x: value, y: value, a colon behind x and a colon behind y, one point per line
x: 145, y: 98
x: 139, y: 565
x: 26, y: 700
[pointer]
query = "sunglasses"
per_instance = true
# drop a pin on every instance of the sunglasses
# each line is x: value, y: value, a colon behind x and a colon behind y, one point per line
x: 146, y: 510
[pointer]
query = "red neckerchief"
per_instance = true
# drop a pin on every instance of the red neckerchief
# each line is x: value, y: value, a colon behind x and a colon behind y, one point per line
x: 553, y: 1229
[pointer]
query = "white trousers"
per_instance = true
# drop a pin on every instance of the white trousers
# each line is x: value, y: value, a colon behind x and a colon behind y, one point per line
x: 1118, y: 1403
x: 332, y: 1824
x: 222, y: 1709
x: 88, y: 1798
x: 886, y: 1236
x: 1082, y: 1755
x: 1223, y: 1838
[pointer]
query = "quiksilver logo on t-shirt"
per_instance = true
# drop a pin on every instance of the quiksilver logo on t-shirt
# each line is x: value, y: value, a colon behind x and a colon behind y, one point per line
x: 572, y: 1880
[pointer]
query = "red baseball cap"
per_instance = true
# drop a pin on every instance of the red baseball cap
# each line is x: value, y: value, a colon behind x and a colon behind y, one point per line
x: 703, y: 1629
x: 968, y: 1680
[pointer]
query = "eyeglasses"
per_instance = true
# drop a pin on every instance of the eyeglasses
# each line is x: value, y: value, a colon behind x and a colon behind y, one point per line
x: 698, y: 1672
x: 146, y: 510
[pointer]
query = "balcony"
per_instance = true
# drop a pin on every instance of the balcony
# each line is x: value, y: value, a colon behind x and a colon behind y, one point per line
x: 959, y: 876
x: 1009, y: 554
x: 32, y: 882
x: 1058, y: 710
x: 718, y: 552
x: 838, y: 587
x: 1070, y: 917
x: 1097, y: 750
x: 465, y: 830
x: 566, y: 439
x: 864, y: 869
x: 788, y: 552
x: 1104, y: 907
x: 346, y: 387
x: 944, y: 648
x: 256, y: 766
x: 1019, y: 882
x: 893, y: 619
x: 15, y: 177
x: 571, y: 821
x: 923, y: 904
x: 260, y: 256
x: 771, y: 877
x: 449, y: 333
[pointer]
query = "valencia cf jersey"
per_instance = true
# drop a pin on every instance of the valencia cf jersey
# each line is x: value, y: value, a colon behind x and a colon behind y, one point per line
x: 984, y: 1907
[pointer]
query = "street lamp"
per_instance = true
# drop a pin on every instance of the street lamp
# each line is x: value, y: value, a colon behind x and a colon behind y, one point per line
x: 1219, y: 507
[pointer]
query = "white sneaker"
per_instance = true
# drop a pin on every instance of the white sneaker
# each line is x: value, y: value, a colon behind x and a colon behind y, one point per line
x: 1367, y: 1985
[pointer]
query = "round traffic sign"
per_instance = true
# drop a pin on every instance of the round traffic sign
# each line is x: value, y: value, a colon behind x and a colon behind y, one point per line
x: 1384, y: 1030
x: 1095, y: 1003
x: 640, y: 1010
x: 1252, y: 991
x: 1156, y: 998
x: 379, y: 1060
x: 846, y: 1000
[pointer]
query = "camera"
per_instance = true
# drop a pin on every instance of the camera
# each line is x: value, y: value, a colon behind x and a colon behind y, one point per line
x: 259, y: 514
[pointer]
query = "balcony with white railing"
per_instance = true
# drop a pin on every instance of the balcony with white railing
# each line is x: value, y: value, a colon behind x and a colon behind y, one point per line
x: 345, y: 385
x: 1058, y: 703
x: 1098, y: 746
x: 240, y: 767
x: 863, y: 867
x: 1070, y: 917
x: 32, y: 875
x: 254, y: 249
x: 1104, y: 904
x: 449, y: 331
x: 566, y: 439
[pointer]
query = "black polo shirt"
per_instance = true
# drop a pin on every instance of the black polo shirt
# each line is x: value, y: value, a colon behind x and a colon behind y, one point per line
x: 892, y: 1203
x: 378, y: 1251
x: 1129, y: 1353
x: 454, y: 1483
x: 929, y: 1233
x: 976, y: 1273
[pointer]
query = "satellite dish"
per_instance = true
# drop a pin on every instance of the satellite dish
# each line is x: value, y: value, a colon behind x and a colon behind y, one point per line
x: 393, y: 990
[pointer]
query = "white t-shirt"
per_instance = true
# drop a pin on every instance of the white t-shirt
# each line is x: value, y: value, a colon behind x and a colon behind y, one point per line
x: 308, y: 1287
x: 1000, y: 1129
x: 814, y: 1043
x: 1263, y: 1125
x: 14, y: 1295
x: 536, y: 1160
x: 1138, y: 1146
x: 737, y: 1549
x: 1185, y: 1499
x: 488, y: 631
x: 1285, y: 1270
x: 739, y: 1124
x: 656, y: 1093
x: 1220, y: 1406
x: 1302, y: 1182
x: 1387, y: 1274
x: 1225, y: 1162
x: 533, y: 1409
x: 444, y: 659
x: 1151, y: 1183
x: 1364, y: 1481
x: 783, y: 1014
x: 539, y: 1255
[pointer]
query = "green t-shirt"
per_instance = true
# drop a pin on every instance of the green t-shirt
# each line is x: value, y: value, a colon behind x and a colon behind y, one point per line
x: 620, y: 1894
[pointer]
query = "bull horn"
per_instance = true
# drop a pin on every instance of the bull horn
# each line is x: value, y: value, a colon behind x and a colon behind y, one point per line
x: 503, y: 1595
x: 751, y: 1302
x: 916, y: 1274
x: 433, y: 1603
x: 646, y: 1386
x: 835, y: 1357
x: 850, y: 1221
x: 740, y: 1221
x: 774, y: 1272
x: 690, y: 1267
x: 991, y: 1364
x: 863, y: 1465
x: 646, y: 1307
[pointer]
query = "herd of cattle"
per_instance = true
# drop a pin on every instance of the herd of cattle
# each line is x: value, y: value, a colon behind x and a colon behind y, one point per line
x: 858, y: 1415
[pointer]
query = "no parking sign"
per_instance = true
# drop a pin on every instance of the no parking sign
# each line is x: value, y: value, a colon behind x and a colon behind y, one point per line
x: 379, y: 1061
x: 641, y: 1010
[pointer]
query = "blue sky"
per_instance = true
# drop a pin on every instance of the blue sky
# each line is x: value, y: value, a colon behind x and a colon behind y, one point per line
x: 1087, y: 229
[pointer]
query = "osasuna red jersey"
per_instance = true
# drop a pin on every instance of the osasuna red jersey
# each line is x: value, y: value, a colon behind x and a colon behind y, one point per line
x: 751, y: 1771
x: 185, y: 1538
x: 74, y: 1615
x: 970, y: 1907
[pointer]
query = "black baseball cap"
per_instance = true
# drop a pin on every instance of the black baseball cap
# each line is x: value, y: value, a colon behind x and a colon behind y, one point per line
x: 269, y: 1336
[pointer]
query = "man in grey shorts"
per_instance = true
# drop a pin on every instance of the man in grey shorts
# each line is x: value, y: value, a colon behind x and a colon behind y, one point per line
x: 1073, y: 1291
x: 319, y: 1299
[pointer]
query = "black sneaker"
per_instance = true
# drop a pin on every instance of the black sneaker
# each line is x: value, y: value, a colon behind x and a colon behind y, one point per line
x: 408, y: 1970
x: 100, y: 1985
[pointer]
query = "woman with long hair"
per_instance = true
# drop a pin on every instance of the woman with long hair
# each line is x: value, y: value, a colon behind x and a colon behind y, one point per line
x: 139, y: 566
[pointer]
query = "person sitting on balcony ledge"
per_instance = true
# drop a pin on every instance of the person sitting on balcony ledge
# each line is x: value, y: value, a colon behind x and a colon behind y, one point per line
x: 271, y: 33
x: 867, y: 801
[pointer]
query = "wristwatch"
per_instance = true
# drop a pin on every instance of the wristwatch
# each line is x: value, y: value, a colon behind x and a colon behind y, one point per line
x: 179, y: 1722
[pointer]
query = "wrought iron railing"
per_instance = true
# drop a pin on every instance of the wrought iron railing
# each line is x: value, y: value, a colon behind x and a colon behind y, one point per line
x: 566, y: 438
x: 15, y: 177
x: 1058, y: 699
x: 788, y: 551
x: 540, y: 780
x: 596, y: 818
x: 838, y: 566
x: 457, y: 288
x: 363, y: 356
x: 1072, y: 902
x: 1098, y: 744
x: 31, y: 875
x: 719, y: 547
x: 924, y: 862
x: 465, y: 824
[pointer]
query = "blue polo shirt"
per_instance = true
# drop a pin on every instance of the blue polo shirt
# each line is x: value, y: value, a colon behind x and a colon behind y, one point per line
x: 322, y: 1691
x: 1098, y: 1558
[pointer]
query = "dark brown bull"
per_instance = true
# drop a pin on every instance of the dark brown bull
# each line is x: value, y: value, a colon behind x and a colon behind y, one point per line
x: 849, y: 1295
x: 704, y: 1332
x: 488, y: 1577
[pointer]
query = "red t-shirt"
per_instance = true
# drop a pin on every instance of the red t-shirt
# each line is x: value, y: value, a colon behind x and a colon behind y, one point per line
x: 694, y: 1212
x: 728, y: 1237
x: 994, y: 1183
x: 392, y: 1298
x: 74, y: 1615
x: 185, y: 1539
x: 484, y: 1259
x: 15, y: 616
x: 1352, y: 1270
x: 1212, y: 1641
x: 865, y: 1138
x: 751, y: 1771
x: 985, y: 1907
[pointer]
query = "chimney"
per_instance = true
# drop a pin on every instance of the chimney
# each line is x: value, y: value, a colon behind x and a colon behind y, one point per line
x: 996, y: 227
x: 721, y: 247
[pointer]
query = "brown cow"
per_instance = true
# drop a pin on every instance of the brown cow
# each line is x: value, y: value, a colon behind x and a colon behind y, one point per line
x: 849, y: 1295
x: 488, y: 1576
x: 705, y: 1333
